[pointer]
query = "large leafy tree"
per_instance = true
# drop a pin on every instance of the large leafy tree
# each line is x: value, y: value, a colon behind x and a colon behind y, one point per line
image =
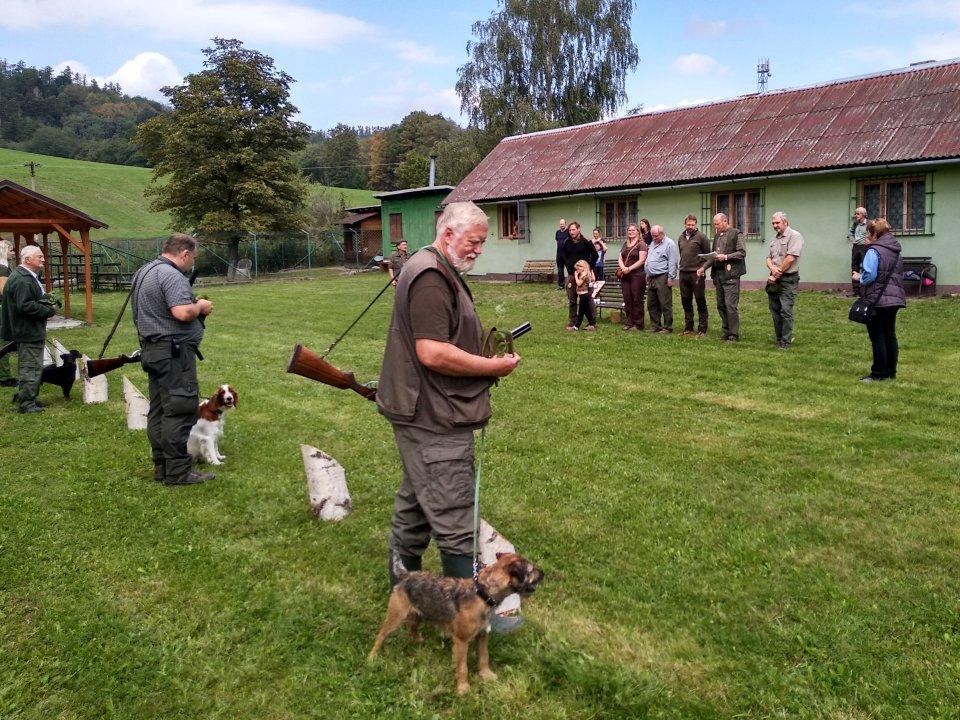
x: 226, y: 151
x: 537, y: 64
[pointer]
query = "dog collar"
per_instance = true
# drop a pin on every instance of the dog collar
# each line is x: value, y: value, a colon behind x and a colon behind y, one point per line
x: 483, y: 594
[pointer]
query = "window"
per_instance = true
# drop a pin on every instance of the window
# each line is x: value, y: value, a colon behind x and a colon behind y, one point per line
x: 744, y: 210
x: 396, y: 227
x: 902, y: 201
x: 513, y: 222
x: 509, y: 221
x: 616, y: 215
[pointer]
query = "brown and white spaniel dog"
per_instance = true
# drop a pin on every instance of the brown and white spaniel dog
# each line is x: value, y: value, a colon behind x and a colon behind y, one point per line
x: 204, y: 441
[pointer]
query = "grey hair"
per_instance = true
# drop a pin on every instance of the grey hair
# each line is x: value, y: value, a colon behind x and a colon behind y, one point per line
x: 177, y: 243
x: 780, y: 215
x: 460, y: 216
x: 656, y: 230
x: 722, y: 215
x: 861, y: 210
x: 28, y: 251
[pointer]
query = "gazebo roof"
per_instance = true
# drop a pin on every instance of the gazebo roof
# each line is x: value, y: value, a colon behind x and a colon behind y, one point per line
x: 24, y: 210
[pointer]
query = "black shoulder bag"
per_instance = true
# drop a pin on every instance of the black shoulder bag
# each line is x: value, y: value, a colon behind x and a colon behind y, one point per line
x: 862, y: 311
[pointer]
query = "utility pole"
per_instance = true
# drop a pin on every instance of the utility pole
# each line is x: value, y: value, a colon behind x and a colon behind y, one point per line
x: 33, y: 173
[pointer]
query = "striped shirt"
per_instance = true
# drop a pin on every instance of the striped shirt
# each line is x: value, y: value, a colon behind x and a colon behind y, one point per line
x: 158, y: 286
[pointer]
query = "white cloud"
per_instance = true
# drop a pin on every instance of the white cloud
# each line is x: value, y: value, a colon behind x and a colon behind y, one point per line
x: 696, y: 64
x: 941, y: 43
x: 679, y: 104
x: 258, y: 21
x: 416, y: 53
x: 76, y: 67
x: 706, y: 28
x: 407, y: 95
x: 146, y: 74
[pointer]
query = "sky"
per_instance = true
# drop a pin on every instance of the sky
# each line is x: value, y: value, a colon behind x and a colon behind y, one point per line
x: 371, y: 63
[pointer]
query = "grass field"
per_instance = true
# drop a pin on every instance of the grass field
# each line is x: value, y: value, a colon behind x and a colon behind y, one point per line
x: 114, y: 193
x: 726, y: 531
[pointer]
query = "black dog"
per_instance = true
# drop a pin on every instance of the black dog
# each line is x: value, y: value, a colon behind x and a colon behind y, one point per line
x: 62, y: 375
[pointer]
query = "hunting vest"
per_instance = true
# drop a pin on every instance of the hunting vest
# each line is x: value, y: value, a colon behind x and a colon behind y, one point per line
x: 409, y: 393
x: 726, y: 243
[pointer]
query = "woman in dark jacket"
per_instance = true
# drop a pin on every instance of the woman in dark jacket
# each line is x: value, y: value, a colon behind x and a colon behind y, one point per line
x: 880, y: 285
x: 645, y: 233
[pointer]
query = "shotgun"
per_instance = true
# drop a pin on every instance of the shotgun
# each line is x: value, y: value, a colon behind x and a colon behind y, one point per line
x: 105, y: 365
x: 306, y: 363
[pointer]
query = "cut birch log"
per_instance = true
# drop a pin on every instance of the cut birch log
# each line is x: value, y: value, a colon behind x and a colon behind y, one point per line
x: 137, y: 406
x: 61, y: 350
x: 326, y: 484
x: 94, y: 389
x: 48, y: 357
x: 490, y: 543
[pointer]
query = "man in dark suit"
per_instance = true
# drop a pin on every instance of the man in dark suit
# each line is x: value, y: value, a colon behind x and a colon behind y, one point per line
x: 23, y: 318
x: 726, y: 268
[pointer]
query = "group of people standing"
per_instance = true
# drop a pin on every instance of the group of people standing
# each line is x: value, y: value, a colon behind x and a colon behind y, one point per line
x: 650, y: 265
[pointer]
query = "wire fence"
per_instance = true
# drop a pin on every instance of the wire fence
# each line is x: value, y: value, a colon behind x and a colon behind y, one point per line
x: 256, y: 255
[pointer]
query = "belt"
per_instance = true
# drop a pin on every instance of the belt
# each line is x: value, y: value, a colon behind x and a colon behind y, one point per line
x: 652, y: 276
x: 174, y: 346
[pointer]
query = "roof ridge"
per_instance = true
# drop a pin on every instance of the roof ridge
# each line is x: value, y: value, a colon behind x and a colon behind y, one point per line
x: 915, y: 67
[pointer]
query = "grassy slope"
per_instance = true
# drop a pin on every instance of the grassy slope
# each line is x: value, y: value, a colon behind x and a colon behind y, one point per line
x: 114, y: 193
x: 726, y: 531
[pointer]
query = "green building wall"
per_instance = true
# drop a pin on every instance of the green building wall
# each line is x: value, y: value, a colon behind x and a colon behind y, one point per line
x: 820, y: 207
x: 419, y: 219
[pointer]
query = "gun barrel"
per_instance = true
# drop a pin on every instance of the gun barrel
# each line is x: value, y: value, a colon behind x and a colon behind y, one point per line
x: 521, y: 330
x: 105, y: 365
x: 8, y: 348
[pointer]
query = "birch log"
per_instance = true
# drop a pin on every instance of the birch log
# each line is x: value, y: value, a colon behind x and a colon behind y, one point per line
x: 137, y: 406
x: 490, y: 543
x: 327, y: 485
x: 94, y: 389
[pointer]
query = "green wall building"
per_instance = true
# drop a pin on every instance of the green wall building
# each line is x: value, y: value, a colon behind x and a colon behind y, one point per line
x: 411, y: 215
x: 889, y: 142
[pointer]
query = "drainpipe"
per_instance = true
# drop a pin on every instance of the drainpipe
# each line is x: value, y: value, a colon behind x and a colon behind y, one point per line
x: 433, y: 170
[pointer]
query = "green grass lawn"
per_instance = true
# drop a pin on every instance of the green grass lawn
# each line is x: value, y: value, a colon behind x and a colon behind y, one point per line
x: 726, y: 531
x: 114, y: 193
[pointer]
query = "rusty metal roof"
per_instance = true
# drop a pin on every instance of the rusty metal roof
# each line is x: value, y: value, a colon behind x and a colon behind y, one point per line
x: 898, y: 116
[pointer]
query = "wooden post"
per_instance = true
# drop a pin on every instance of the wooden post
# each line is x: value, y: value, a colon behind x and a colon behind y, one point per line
x: 65, y: 276
x: 87, y: 285
x: 47, y: 277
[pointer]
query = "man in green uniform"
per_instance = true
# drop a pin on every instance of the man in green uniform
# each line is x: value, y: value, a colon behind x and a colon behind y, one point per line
x: 783, y: 262
x: 23, y: 318
x: 435, y: 390
x: 396, y: 260
x: 726, y: 267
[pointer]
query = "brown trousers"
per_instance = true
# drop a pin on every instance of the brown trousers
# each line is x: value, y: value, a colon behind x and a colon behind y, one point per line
x: 633, y: 285
x: 660, y: 302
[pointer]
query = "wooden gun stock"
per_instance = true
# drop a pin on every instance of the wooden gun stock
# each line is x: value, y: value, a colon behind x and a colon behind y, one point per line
x: 307, y: 363
x: 8, y: 348
x: 105, y: 365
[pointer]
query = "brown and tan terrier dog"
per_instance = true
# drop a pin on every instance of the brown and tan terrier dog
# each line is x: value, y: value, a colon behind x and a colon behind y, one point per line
x: 461, y: 608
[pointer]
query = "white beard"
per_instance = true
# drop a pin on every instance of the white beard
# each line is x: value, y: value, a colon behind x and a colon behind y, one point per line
x: 460, y: 265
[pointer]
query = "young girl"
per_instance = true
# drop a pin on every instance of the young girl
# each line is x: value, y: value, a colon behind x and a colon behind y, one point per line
x: 583, y: 276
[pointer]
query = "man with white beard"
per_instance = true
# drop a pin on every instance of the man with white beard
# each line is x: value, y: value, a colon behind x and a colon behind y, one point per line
x: 435, y: 390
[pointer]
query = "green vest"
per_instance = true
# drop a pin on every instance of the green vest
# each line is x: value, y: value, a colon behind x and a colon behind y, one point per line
x: 409, y: 393
x: 726, y: 243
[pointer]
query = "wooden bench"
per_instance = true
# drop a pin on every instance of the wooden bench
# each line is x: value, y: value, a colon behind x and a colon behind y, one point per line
x: 915, y: 271
x: 537, y: 271
x: 610, y: 295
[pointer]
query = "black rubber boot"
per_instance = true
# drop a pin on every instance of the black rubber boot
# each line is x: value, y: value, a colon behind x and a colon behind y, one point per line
x: 411, y: 563
x: 457, y: 566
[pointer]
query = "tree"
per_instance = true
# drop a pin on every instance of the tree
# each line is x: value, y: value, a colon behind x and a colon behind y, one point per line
x: 414, y: 171
x: 226, y: 149
x: 341, y: 158
x: 547, y: 63
x: 53, y: 141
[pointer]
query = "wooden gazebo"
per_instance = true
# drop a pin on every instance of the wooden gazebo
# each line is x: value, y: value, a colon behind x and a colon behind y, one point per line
x: 26, y: 214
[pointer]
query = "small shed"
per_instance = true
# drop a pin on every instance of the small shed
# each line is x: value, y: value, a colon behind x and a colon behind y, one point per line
x: 362, y: 234
x: 27, y: 214
x: 412, y: 214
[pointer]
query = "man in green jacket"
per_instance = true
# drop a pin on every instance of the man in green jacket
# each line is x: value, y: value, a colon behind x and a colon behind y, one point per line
x: 23, y: 318
x: 727, y: 266
x: 6, y: 378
